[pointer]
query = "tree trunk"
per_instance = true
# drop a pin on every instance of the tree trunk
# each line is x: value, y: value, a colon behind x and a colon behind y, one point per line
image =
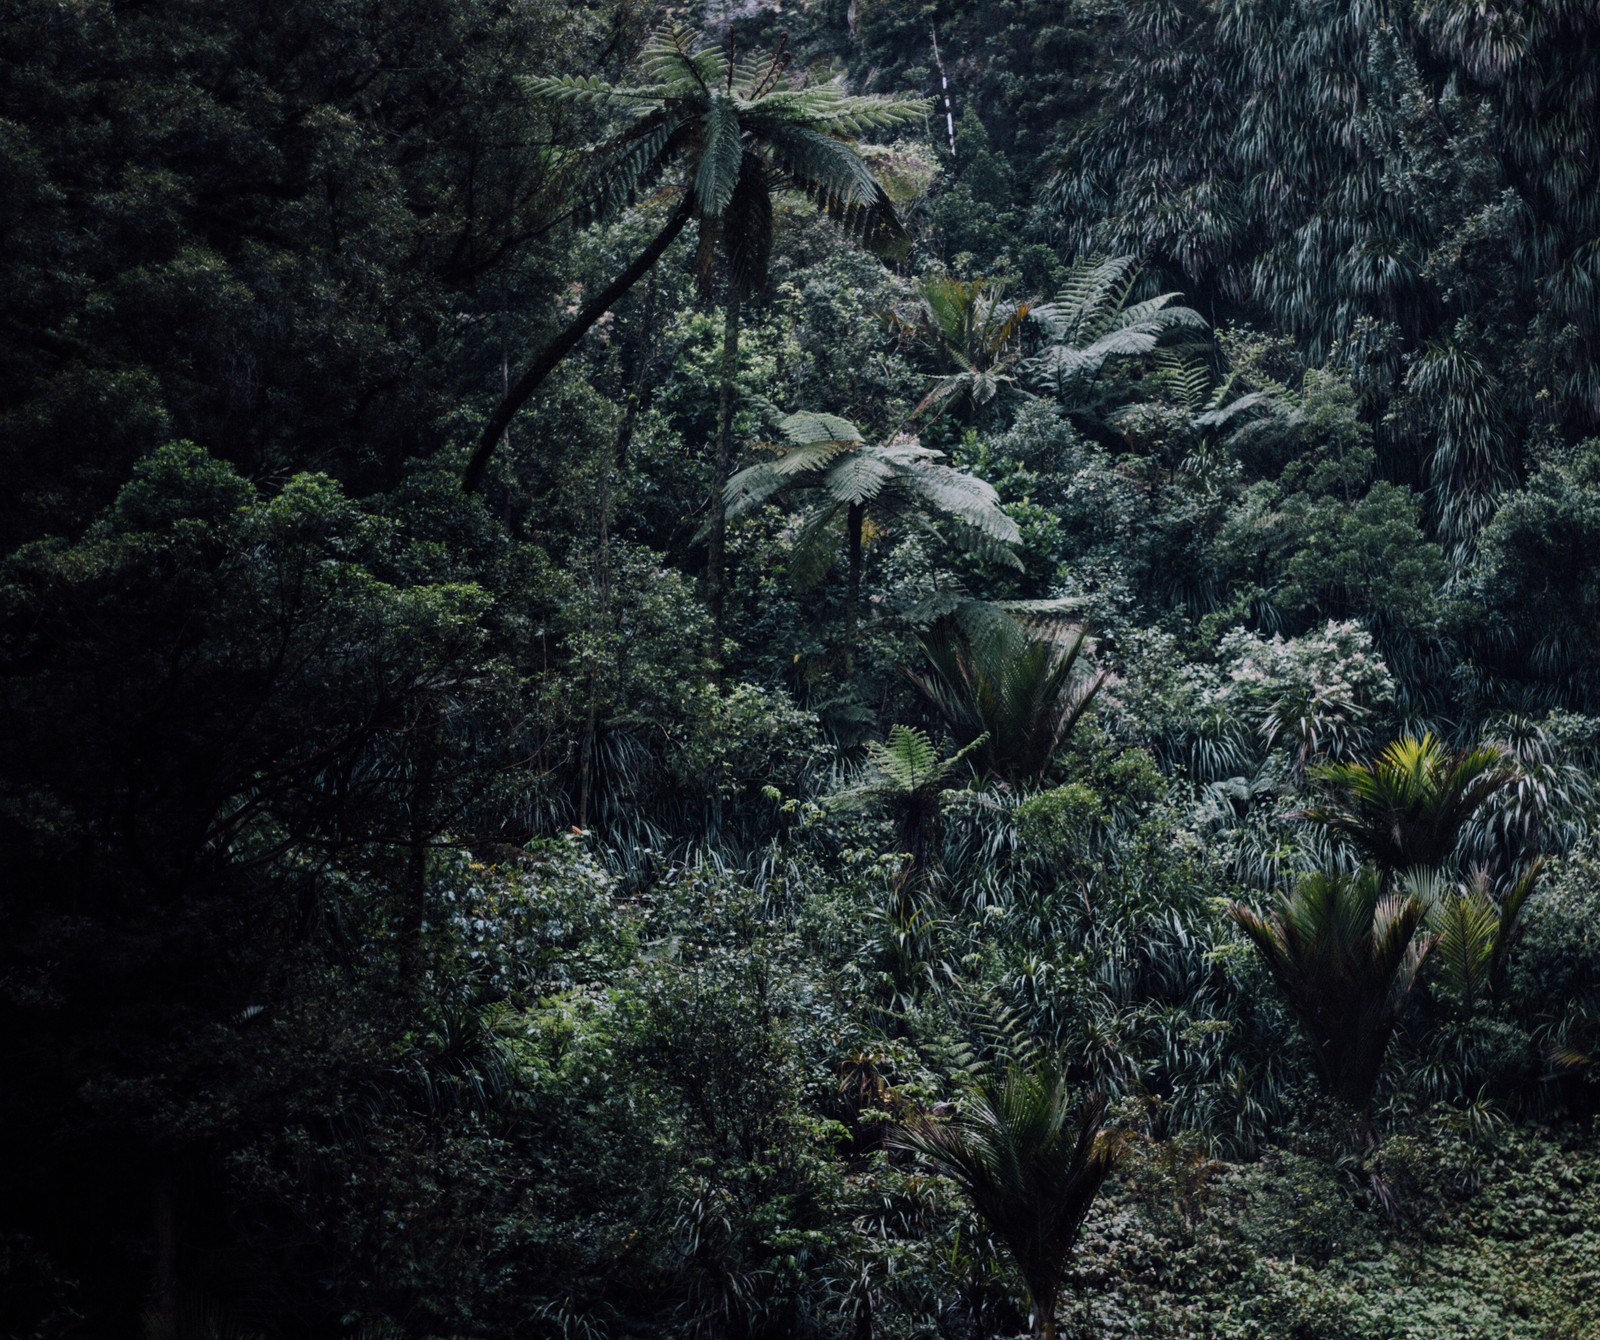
x: 716, y: 584
x: 164, y: 1243
x: 565, y: 342
x: 855, y: 521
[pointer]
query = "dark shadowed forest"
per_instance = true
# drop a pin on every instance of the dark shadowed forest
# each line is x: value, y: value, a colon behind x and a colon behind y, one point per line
x: 905, y: 670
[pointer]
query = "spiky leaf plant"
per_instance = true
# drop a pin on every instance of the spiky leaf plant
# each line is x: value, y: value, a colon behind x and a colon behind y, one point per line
x: 1407, y: 808
x: 1476, y: 929
x: 1345, y: 951
x: 1031, y: 1160
x: 975, y: 331
x: 727, y: 131
x: 1022, y: 689
x: 1408, y: 189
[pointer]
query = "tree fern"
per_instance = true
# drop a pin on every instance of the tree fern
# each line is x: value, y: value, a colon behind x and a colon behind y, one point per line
x: 827, y: 456
x: 737, y: 130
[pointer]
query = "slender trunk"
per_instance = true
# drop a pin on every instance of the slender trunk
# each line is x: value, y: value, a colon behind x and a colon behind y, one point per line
x: 716, y: 576
x: 164, y: 1236
x: 855, y: 520
x: 564, y: 343
x: 602, y: 594
x: 420, y: 825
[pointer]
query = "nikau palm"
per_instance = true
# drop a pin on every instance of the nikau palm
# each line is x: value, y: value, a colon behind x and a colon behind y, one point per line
x: 1476, y: 930
x: 1020, y: 688
x: 1031, y: 1161
x: 736, y: 129
x: 829, y: 455
x: 1345, y: 951
x: 1407, y: 808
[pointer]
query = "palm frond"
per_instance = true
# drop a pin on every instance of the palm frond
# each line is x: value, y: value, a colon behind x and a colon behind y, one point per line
x: 1345, y: 952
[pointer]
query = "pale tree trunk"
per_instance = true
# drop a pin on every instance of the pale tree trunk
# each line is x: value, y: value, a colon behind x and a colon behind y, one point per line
x: 855, y: 523
x: 716, y: 561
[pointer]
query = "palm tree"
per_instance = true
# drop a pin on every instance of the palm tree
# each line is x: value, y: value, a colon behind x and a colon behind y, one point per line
x: 1031, y: 1161
x: 1020, y: 688
x: 1476, y: 930
x: 1345, y: 951
x: 737, y: 129
x: 1092, y: 322
x: 1407, y: 808
x: 828, y: 454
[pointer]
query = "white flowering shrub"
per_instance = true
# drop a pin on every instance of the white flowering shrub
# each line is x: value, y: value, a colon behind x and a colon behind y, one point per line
x: 1318, y: 694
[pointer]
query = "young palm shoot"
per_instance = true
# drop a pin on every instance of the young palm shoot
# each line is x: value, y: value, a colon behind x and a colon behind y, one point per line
x: 975, y: 331
x: 1476, y: 930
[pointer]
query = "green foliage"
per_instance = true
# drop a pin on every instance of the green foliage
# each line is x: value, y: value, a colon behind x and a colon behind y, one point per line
x: 1018, y: 690
x: 1031, y: 1161
x: 427, y: 918
x: 1407, y: 808
x: 704, y: 104
x: 1344, y: 951
x: 1095, y: 320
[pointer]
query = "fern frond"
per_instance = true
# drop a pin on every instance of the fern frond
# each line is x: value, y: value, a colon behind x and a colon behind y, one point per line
x: 721, y: 156
x: 807, y: 427
x: 966, y: 498
x: 860, y: 476
x: 590, y: 90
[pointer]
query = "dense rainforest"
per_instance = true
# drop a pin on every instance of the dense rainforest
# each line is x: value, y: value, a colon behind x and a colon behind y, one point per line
x: 903, y: 668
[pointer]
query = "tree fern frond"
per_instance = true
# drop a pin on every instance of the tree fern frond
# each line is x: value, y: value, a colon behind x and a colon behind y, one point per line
x: 858, y: 476
x: 968, y: 499
x: 721, y: 156
x: 752, y: 486
x: 671, y: 57
x: 821, y: 166
x: 827, y: 105
x: 632, y: 161
x: 590, y: 90
x: 807, y: 427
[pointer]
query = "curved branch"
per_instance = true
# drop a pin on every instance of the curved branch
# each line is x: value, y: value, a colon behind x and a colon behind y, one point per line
x: 563, y: 344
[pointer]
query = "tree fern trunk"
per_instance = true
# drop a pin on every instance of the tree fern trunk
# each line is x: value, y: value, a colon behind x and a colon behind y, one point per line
x: 163, y: 1305
x: 716, y: 584
x: 563, y: 344
x: 855, y: 521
